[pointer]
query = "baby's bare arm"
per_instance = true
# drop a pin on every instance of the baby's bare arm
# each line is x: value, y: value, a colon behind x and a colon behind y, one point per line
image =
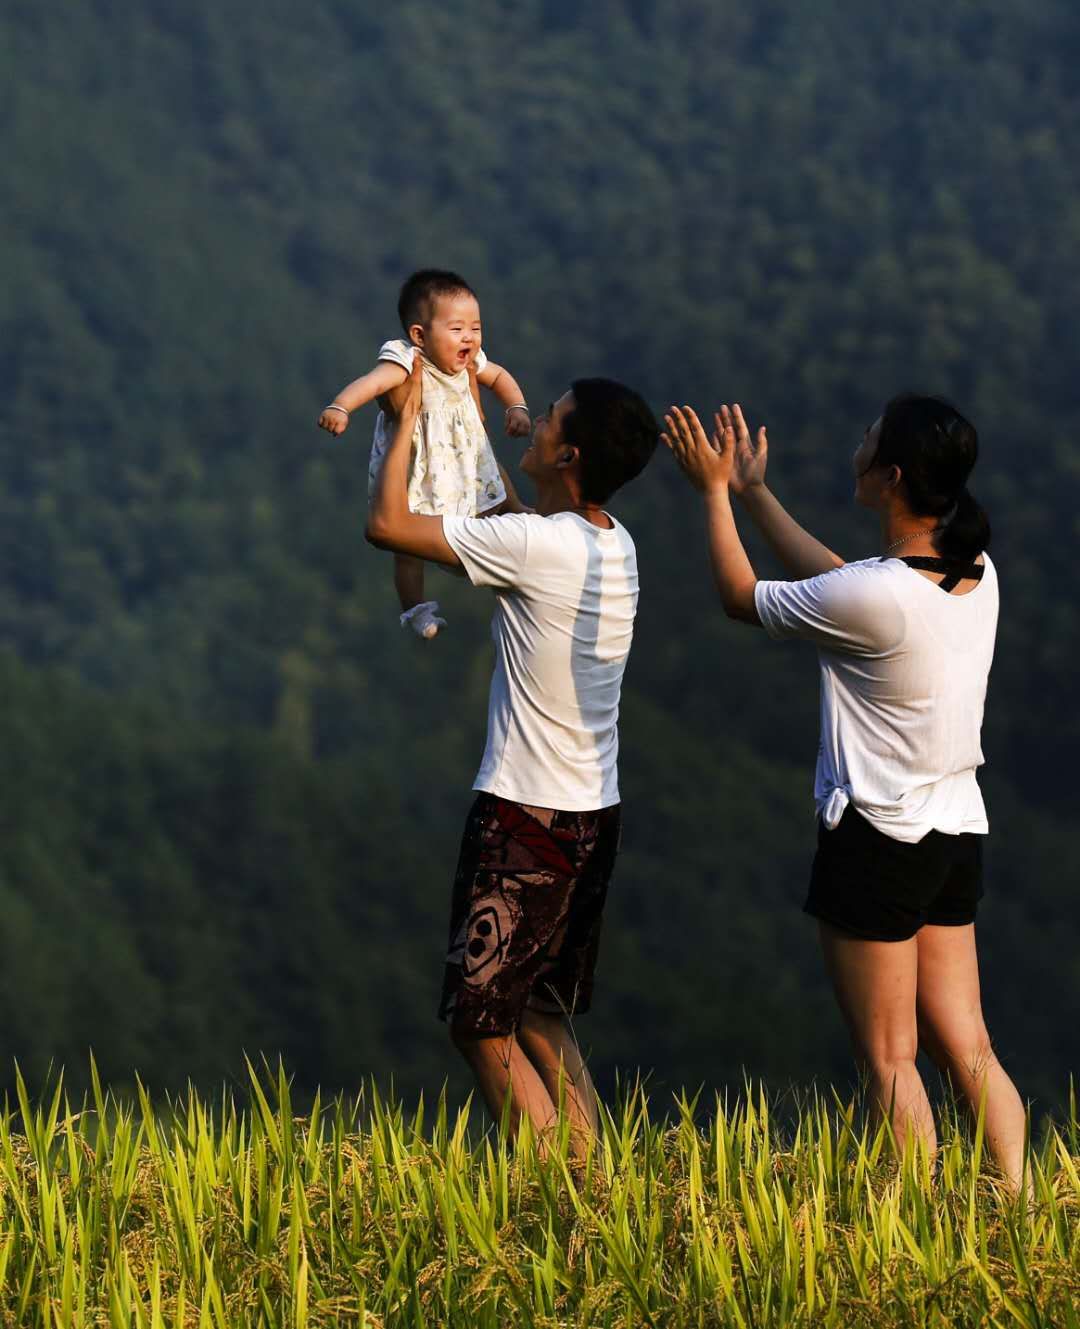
x: 505, y: 386
x: 384, y: 378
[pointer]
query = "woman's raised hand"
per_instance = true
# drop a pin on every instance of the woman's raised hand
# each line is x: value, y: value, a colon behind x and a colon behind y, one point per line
x: 751, y: 458
x: 706, y: 464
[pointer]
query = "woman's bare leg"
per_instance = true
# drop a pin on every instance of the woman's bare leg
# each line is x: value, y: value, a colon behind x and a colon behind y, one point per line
x: 953, y: 1031
x: 550, y: 1045
x: 875, y: 985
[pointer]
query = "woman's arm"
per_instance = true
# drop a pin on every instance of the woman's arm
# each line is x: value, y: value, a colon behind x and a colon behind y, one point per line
x: 385, y: 376
x: 800, y: 553
x: 503, y: 384
x: 709, y: 467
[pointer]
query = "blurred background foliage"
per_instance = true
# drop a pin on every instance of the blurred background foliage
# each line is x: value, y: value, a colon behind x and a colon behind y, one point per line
x: 231, y: 788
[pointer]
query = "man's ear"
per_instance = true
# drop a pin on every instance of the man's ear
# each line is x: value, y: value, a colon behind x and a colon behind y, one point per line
x: 895, y: 476
x: 567, y: 455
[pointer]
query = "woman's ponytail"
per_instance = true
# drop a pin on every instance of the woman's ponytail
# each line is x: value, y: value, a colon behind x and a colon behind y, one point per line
x: 967, y: 532
x: 935, y: 449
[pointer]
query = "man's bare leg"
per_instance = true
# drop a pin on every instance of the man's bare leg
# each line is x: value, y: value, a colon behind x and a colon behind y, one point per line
x: 549, y: 1043
x: 503, y: 1071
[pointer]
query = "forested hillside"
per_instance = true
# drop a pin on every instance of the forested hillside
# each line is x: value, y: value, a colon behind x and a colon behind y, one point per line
x: 231, y: 788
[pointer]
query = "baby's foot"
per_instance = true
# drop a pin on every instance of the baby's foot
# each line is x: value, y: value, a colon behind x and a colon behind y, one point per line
x: 424, y: 619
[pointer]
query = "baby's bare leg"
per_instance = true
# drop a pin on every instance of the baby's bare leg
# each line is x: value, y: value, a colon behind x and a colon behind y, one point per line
x: 419, y: 614
x: 409, y: 580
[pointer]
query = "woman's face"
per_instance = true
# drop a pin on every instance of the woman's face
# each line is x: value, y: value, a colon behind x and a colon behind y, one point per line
x: 872, y: 483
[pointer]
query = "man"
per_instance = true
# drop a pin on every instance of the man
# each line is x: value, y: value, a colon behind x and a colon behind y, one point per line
x: 541, y: 839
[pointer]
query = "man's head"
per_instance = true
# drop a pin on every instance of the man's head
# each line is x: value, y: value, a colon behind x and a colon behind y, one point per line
x: 440, y: 313
x: 602, y: 429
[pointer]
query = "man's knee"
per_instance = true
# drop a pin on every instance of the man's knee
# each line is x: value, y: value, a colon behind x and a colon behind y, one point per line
x: 477, y: 1048
x: 542, y: 1024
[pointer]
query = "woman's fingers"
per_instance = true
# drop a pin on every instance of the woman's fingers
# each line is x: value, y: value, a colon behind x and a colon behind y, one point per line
x: 696, y: 429
x: 741, y: 427
x: 671, y: 439
x: 679, y: 424
x: 686, y: 437
x: 680, y: 429
x: 679, y: 440
x: 689, y: 427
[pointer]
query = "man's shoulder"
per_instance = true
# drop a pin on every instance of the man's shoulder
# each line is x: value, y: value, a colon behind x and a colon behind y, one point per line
x: 569, y: 520
x: 496, y: 525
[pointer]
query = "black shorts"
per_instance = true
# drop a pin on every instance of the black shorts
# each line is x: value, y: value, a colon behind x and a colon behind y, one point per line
x: 525, y: 919
x: 883, y: 889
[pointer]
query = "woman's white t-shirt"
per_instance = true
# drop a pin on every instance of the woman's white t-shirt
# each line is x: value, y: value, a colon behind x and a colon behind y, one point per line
x: 566, y: 593
x: 904, y: 669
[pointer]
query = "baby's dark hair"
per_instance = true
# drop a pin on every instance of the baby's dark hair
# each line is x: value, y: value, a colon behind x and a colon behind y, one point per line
x: 416, y: 303
x: 614, y: 432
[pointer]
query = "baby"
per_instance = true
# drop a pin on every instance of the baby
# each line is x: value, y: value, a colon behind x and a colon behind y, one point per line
x: 452, y: 468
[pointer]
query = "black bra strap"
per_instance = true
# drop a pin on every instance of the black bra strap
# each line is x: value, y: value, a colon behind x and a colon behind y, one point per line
x: 955, y: 570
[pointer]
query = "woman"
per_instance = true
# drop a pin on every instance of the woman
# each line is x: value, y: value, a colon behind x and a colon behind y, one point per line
x: 905, y: 643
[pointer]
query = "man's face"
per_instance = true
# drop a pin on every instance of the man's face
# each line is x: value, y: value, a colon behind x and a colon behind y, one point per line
x: 548, y: 447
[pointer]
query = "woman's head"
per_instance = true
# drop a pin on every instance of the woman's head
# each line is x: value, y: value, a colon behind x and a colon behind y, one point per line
x: 920, y: 454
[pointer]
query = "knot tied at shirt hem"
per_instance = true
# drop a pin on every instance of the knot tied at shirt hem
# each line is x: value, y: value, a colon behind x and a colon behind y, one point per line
x: 833, y: 808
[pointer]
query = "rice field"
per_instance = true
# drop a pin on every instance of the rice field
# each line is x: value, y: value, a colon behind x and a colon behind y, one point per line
x: 216, y: 1213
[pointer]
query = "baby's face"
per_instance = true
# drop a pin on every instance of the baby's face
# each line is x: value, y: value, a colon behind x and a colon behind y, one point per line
x: 452, y: 338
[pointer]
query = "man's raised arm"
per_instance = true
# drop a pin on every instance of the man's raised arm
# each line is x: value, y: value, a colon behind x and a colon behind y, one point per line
x: 390, y: 524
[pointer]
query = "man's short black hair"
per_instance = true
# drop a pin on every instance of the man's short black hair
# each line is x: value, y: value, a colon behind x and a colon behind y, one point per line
x: 614, y: 432
x: 416, y: 303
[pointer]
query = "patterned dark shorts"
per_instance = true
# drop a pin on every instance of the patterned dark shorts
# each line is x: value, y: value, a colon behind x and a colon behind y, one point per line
x: 525, y: 920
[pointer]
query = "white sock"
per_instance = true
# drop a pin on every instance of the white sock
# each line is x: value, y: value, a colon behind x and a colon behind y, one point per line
x: 423, y: 619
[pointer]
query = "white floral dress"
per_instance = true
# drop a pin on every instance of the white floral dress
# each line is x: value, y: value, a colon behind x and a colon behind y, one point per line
x: 452, y: 470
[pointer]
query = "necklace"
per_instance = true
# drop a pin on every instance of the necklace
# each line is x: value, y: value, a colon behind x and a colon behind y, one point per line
x: 913, y: 536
